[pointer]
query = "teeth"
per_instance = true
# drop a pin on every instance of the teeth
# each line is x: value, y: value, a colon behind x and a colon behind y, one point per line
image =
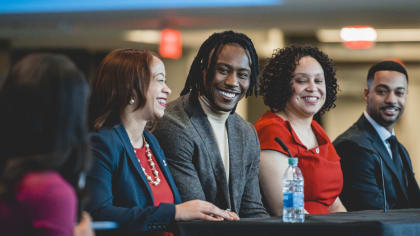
x: 229, y: 95
x: 310, y: 98
x: 162, y: 101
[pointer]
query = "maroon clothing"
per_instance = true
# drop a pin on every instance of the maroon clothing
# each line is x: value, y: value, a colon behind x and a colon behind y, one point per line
x: 320, y: 166
x: 45, y: 205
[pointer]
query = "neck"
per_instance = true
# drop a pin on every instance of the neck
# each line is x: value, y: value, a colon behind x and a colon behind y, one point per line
x: 390, y: 128
x: 134, y: 127
x: 210, y: 111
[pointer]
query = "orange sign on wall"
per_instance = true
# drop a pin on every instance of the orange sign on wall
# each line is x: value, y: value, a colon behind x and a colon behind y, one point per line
x: 170, y: 44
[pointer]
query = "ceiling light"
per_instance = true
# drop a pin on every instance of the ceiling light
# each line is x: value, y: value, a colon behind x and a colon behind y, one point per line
x: 382, y: 35
x: 143, y: 36
x: 358, y: 36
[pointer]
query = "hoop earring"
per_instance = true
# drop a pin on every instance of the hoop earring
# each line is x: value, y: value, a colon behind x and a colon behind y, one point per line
x: 131, y: 102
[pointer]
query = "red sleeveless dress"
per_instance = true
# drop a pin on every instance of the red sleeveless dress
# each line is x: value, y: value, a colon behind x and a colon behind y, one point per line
x: 320, y: 166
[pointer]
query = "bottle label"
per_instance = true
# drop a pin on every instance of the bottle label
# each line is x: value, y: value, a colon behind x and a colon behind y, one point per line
x: 288, y: 200
x: 293, y: 200
x: 298, y: 200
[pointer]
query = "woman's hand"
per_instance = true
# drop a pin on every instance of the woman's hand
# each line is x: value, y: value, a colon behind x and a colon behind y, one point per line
x: 84, y: 228
x: 202, y: 210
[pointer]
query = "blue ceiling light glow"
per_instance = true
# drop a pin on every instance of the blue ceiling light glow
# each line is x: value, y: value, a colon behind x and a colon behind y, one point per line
x: 43, y: 6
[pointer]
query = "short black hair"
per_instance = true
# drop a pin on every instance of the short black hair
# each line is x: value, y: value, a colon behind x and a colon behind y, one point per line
x: 385, y: 65
x: 275, y: 82
x: 201, y: 63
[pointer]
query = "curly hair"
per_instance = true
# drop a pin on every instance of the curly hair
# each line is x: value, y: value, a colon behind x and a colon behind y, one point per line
x: 275, y: 82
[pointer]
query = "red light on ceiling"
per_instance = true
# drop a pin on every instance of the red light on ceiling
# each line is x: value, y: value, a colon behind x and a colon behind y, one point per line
x: 359, y: 44
x: 170, y: 44
x: 358, y: 36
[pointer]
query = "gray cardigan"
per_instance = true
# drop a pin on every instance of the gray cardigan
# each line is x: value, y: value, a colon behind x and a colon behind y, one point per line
x: 187, y: 139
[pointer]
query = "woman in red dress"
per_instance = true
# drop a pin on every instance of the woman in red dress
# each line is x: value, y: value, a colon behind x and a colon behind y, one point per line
x: 297, y: 83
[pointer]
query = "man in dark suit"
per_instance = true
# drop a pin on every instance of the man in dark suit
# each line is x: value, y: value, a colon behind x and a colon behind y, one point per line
x: 213, y: 154
x: 376, y: 167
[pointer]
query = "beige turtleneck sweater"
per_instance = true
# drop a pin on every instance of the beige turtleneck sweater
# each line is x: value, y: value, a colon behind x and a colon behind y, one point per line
x: 217, y: 121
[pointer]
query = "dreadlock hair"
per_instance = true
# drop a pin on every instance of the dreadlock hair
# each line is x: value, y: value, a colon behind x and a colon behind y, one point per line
x: 206, y: 60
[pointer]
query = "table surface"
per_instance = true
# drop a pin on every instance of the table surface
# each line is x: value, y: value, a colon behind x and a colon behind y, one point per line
x: 404, y: 222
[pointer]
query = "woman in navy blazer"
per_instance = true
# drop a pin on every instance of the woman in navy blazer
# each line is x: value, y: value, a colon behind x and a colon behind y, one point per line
x: 130, y: 182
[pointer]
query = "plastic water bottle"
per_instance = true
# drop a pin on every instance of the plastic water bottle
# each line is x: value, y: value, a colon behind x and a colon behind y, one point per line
x: 293, y: 195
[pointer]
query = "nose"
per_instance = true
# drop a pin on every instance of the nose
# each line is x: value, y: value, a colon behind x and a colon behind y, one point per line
x: 311, y: 86
x: 166, y: 89
x: 232, y: 80
x: 391, y: 98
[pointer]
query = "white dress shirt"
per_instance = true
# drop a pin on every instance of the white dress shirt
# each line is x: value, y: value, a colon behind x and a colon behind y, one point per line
x: 383, y: 133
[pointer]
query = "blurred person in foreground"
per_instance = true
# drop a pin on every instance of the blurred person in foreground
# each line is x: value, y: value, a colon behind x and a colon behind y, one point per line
x: 297, y: 83
x: 44, y: 147
x: 212, y: 152
x: 130, y: 182
x: 377, y: 168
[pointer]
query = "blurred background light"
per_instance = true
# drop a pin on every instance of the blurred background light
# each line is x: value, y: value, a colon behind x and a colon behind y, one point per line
x: 38, y: 6
x: 170, y: 44
x: 382, y: 35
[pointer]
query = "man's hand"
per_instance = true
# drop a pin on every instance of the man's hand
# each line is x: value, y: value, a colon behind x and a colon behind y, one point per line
x: 202, y: 210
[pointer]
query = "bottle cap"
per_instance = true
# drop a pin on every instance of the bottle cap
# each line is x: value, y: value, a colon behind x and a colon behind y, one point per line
x: 293, y: 161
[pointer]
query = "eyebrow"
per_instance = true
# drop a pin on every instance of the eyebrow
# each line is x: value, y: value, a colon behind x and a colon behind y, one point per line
x: 387, y: 87
x: 231, y: 67
x: 154, y: 75
x: 306, y: 74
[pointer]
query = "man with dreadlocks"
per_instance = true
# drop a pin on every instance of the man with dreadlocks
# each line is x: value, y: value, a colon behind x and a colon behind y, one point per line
x: 212, y: 152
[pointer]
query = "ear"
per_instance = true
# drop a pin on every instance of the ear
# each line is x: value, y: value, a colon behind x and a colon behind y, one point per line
x: 366, y: 94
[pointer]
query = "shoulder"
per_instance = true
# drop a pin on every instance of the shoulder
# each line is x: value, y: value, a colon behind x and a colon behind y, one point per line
x: 106, y: 137
x: 240, y: 123
x: 45, y: 188
x: 354, y: 143
x: 49, y: 201
x: 269, y: 127
x: 175, y: 116
x: 271, y: 123
x: 107, y: 146
x: 353, y: 135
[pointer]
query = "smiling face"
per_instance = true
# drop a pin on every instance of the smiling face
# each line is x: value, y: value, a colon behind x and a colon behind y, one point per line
x: 158, y: 91
x: 386, y: 97
x: 231, y: 80
x: 308, y: 88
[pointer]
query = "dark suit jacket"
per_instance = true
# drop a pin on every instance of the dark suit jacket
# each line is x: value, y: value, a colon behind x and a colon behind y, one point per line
x: 118, y: 187
x: 193, y: 156
x: 363, y: 158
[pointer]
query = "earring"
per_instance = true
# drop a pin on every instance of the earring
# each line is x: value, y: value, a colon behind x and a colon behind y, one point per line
x: 131, y: 102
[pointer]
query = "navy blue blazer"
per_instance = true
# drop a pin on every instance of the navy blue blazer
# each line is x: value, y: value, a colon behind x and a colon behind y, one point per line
x: 118, y: 187
x: 369, y: 172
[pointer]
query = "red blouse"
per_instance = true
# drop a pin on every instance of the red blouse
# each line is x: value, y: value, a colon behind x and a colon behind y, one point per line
x: 162, y: 193
x: 320, y: 166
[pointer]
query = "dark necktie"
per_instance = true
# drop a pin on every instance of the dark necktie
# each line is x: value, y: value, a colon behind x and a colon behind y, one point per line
x: 396, y: 157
